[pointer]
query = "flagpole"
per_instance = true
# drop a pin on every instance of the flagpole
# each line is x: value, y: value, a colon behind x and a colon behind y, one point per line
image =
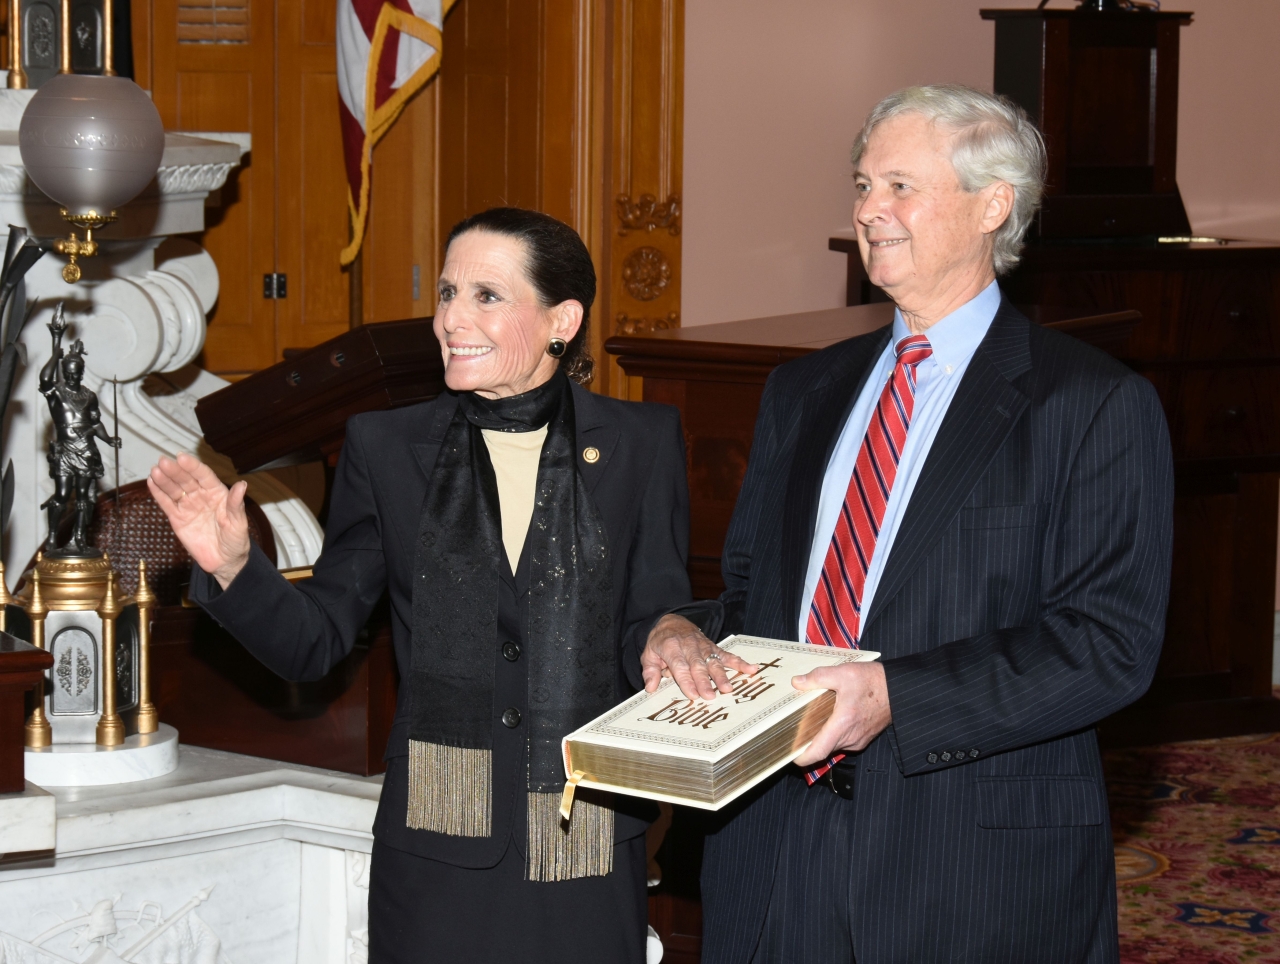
x: 355, y: 293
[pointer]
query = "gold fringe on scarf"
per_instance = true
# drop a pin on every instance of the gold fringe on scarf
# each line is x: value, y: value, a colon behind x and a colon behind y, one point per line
x: 579, y: 847
x: 450, y: 790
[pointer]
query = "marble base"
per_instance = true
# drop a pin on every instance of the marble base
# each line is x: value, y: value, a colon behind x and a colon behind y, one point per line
x: 226, y: 859
x: 143, y: 757
x: 28, y: 823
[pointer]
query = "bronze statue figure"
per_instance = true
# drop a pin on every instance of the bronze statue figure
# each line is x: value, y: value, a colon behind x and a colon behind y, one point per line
x: 74, y: 463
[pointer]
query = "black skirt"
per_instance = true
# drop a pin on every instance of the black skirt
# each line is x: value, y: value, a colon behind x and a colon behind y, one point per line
x: 423, y: 911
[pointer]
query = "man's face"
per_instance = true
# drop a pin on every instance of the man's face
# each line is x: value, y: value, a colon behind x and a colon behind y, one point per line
x: 71, y: 373
x: 919, y: 232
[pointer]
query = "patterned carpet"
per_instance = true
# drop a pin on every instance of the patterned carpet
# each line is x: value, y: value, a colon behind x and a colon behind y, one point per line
x: 1197, y: 833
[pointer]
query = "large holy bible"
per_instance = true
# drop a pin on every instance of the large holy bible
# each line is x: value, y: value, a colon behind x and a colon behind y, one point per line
x: 707, y: 753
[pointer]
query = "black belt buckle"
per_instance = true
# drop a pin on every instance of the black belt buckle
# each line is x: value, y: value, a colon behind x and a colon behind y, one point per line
x: 840, y: 779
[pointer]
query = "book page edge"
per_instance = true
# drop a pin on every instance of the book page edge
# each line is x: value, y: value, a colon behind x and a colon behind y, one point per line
x: 685, y: 801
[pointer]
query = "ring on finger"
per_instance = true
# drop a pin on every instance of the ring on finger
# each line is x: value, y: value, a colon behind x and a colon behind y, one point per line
x: 716, y: 656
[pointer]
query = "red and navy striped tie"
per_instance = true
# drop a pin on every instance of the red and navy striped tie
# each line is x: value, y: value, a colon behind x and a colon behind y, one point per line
x: 835, y: 615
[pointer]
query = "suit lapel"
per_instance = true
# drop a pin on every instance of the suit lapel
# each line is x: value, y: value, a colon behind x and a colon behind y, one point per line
x: 425, y: 448
x: 985, y: 408
x: 592, y: 432
x: 825, y: 410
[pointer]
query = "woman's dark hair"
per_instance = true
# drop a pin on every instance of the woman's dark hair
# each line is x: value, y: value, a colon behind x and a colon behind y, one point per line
x: 558, y: 266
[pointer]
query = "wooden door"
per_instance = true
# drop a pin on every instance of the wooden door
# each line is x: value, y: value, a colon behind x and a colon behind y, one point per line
x: 311, y: 193
x: 211, y: 68
x: 490, y: 107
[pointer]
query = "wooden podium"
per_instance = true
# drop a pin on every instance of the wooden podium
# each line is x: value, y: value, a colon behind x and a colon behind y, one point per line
x: 296, y: 411
x: 1102, y: 87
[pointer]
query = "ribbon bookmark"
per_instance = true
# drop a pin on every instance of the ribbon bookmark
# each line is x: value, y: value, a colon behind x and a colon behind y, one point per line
x: 566, y: 801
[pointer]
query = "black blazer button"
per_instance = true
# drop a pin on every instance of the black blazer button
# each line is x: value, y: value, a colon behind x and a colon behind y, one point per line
x: 932, y: 758
x: 510, y: 651
x: 973, y: 754
x: 511, y: 717
x: 946, y: 756
x: 959, y: 754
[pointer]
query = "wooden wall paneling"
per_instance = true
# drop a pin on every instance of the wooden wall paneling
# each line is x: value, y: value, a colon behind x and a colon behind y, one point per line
x: 558, y: 55
x: 229, y: 86
x: 646, y: 176
x: 592, y: 153
x: 140, y: 35
x: 426, y: 222
x: 559, y: 105
x: 490, y: 115
x: 573, y: 141
x: 313, y: 222
x: 401, y: 217
x: 522, y: 118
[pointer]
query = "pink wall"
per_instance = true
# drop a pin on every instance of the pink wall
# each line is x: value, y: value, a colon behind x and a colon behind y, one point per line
x: 775, y: 92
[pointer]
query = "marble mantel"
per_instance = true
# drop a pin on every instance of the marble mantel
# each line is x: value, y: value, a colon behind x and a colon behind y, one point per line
x: 264, y: 861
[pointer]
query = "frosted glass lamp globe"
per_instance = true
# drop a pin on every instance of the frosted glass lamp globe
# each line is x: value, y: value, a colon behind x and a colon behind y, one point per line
x: 91, y: 143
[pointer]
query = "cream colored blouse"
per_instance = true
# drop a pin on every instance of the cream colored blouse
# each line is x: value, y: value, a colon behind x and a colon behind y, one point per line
x: 515, y: 463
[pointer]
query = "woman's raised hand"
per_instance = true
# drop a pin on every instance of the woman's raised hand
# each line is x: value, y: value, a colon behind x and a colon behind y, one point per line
x: 208, y: 517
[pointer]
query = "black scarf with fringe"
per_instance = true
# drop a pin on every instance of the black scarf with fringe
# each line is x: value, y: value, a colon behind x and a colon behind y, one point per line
x: 570, y: 639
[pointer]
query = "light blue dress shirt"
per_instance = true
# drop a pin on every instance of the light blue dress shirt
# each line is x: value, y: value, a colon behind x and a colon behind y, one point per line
x: 954, y: 340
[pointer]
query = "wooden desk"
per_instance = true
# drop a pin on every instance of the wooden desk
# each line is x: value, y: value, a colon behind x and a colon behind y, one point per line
x: 22, y: 666
x: 220, y: 696
x: 715, y: 375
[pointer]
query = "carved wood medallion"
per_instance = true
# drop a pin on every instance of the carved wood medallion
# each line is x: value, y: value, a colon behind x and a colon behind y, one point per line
x: 646, y: 273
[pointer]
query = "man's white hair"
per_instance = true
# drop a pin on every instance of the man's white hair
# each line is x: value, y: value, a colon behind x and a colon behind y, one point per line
x: 994, y: 141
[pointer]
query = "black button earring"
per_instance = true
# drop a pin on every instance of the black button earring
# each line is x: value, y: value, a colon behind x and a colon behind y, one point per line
x: 557, y: 347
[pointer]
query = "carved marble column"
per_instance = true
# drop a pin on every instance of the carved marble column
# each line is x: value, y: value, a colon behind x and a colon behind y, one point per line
x: 140, y: 309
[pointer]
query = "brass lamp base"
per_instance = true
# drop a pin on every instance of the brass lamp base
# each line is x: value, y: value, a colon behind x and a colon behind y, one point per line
x: 72, y: 583
x: 73, y: 247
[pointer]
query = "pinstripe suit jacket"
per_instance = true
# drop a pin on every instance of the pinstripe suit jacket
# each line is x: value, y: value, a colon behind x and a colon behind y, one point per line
x: 1022, y: 602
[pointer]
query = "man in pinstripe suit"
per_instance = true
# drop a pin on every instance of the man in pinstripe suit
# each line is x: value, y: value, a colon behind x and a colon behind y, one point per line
x: 989, y: 505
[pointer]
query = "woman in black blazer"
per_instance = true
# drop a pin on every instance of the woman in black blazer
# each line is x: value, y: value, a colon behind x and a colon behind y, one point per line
x: 530, y: 535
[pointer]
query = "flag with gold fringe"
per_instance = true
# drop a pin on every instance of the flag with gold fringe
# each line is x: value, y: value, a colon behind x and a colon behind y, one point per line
x: 387, y: 50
